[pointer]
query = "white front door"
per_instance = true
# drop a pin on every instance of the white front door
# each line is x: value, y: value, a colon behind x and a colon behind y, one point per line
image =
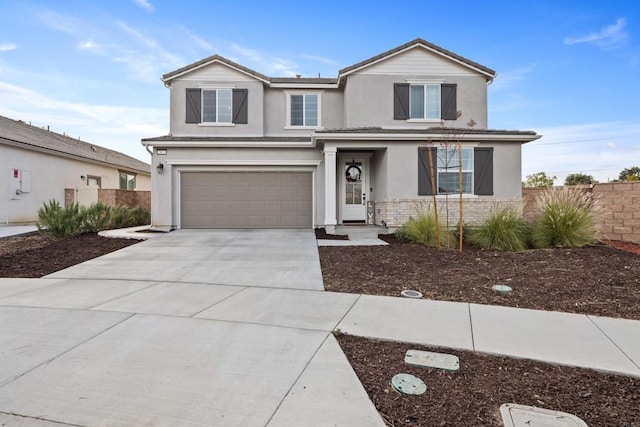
x: 353, y: 188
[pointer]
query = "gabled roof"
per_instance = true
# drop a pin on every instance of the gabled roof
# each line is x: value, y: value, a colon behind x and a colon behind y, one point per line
x: 417, y: 43
x: 211, y: 60
x: 488, y: 72
x: 23, y: 135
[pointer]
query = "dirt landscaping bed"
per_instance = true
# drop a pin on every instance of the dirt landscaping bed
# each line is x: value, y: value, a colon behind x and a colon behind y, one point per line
x: 472, y: 396
x: 36, y: 255
x: 600, y: 280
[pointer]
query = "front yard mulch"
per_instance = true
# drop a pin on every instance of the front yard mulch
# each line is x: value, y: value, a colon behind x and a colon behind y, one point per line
x: 599, y: 280
x: 37, y: 255
x: 472, y: 396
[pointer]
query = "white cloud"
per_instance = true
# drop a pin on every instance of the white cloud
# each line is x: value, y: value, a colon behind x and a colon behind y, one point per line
x: 142, y: 55
x: 197, y: 40
x: 6, y: 47
x: 116, y: 127
x: 91, y: 46
x: 63, y: 23
x: 318, y: 59
x: 598, y: 149
x: 265, y: 63
x: 144, y: 4
x: 611, y: 36
x: 510, y: 78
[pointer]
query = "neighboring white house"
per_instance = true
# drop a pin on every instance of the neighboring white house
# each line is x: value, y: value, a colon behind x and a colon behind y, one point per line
x: 250, y: 151
x: 36, y: 165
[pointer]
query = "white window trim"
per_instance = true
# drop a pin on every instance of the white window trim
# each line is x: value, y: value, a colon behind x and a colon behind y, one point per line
x: 424, y: 121
x: 425, y: 83
x: 288, y: 93
x: 473, y: 171
x: 216, y: 123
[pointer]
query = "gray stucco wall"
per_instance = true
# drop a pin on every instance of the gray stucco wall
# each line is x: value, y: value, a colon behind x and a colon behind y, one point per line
x: 275, y: 111
x: 254, y: 126
x: 368, y: 101
x: 402, y: 165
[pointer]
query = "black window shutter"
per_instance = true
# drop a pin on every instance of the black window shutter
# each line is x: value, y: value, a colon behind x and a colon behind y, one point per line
x: 400, y: 101
x: 240, y: 106
x: 448, y: 105
x: 483, y: 171
x: 424, y: 174
x: 194, y: 103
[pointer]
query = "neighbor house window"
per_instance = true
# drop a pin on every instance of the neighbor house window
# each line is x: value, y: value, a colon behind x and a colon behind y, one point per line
x: 449, y: 170
x: 216, y: 106
x: 425, y: 102
x: 127, y: 181
x: 304, y: 110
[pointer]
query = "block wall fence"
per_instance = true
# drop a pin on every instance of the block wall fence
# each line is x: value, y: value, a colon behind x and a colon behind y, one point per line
x: 620, y: 216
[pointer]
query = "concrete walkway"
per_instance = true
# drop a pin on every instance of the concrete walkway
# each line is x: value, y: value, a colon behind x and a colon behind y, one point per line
x: 16, y: 230
x: 233, y: 328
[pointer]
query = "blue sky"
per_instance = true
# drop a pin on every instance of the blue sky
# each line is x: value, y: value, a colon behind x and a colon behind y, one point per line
x: 567, y: 69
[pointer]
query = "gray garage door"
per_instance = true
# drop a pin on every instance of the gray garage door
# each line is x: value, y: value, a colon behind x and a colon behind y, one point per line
x: 245, y: 199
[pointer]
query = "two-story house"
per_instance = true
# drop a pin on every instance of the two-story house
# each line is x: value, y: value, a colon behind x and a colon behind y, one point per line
x: 372, y: 145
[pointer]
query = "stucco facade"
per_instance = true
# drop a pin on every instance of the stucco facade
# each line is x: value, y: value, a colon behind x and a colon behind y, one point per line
x: 32, y: 175
x: 375, y: 122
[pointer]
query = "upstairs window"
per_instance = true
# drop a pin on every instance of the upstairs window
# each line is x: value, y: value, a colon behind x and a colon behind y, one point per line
x: 428, y: 101
x: 216, y: 106
x: 304, y: 110
x: 424, y: 102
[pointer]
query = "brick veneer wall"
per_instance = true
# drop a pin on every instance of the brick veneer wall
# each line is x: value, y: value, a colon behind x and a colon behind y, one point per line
x: 396, y: 212
x: 126, y: 198
x: 620, y: 216
x: 620, y: 219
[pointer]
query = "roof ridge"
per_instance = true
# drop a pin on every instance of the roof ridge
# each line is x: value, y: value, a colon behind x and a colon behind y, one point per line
x: 31, y: 135
x: 267, y: 79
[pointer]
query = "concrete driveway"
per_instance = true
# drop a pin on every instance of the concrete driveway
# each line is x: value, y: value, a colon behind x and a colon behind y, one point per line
x: 227, y: 328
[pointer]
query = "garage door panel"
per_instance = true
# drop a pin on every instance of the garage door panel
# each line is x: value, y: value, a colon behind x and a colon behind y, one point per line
x: 246, y: 199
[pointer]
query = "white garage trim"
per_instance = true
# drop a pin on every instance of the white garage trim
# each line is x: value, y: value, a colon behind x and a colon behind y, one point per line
x: 239, y: 166
x: 245, y: 162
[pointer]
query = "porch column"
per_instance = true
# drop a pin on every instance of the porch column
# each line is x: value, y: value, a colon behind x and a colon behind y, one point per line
x: 330, y: 189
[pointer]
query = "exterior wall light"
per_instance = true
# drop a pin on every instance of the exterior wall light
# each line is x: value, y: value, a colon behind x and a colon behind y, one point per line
x: 160, y: 167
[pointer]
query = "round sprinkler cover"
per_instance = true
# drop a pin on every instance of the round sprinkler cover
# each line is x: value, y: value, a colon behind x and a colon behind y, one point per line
x: 408, y: 384
x: 411, y: 294
x: 502, y: 289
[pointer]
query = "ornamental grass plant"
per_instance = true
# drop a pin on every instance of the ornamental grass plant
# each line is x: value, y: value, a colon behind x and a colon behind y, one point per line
x: 504, y: 229
x: 422, y: 229
x: 565, y: 218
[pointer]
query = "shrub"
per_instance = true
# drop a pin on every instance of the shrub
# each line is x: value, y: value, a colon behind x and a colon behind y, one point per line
x: 74, y: 219
x: 140, y: 216
x: 96, y: 218
x: 422, y: 229
x: 59, y: 221
x: 565, y: 218
x: 504, y: 229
